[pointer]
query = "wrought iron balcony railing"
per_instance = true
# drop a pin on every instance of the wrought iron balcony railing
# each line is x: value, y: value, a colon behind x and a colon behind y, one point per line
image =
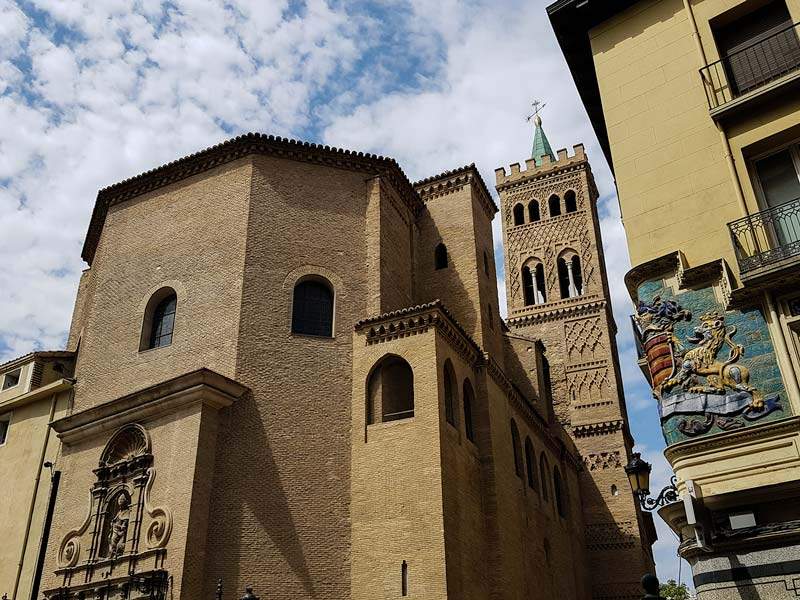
x: 768, y: 237
x: 752, y: 67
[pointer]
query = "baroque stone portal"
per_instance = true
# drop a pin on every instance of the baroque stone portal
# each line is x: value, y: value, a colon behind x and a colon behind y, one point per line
x: 119, y: 549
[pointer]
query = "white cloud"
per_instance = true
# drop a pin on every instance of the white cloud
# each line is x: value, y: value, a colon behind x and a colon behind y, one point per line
x: 108, y: 92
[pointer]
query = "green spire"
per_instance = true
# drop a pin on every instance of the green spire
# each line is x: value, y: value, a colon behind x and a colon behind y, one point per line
x: 541, y: 146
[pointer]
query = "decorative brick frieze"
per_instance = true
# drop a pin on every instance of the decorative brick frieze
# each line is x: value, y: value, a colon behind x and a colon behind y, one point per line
x: 593, y: 429
x: 603, y: 460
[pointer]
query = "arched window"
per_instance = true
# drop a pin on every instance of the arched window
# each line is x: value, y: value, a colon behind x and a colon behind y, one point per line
x: 570, y: 202
x: 159, y: 319
x: 533, y: 211
x: 570, y: 277
x: 440, y: 256
x: 404, y: 579
x: 547, y: 382
x: 543, y: 476
x: 518, y: 469
x: 558, y: 494
x: 533, y: 286
x: 519, y: 214
x: 554, y: 204
x: 485, y: 262
x: 530, y: 464
x: 312, y: 308
x: 577, y: 275
x: 528, y: 294
x: 468, y: 398
x: 563, y: 278
x: 540, y: 285
x: 450, y: 399
x: 390, y: 391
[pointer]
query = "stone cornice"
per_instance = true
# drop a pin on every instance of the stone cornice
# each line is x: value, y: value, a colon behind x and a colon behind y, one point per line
x: 444, y: 183
x: 202, y: 385
x: 582, y: 305
x: 728, y: 439
x: 233, y: 149
x: 417, y: 319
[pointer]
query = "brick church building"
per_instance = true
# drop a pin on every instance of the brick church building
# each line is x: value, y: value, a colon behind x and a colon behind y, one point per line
x: 291, y: 373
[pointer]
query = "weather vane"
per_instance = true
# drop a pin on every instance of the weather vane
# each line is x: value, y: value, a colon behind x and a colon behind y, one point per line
x: 537, y: 108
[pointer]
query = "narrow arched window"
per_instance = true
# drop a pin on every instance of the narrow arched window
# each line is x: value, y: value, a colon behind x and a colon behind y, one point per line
x: 570, y: 202
x: 515, y: 442
x: 468, y: 400
x: 312, y: 308
x: 543, y: 476
x: 485, y: 262
x: 404, y: 579
x: 528, y: 295
x: 390, y: 391
x: 577, y: 275
x: 558, y: 494
x: 159, y: 319
x: 530, y: 464
x: 540, y: 286
x: 563, y: 278
x: 554, y: 204
x: 519, y: 214
x: 450, y: 400
x: 440, y: 256
x: 533, y: 211
x: 570, y: 277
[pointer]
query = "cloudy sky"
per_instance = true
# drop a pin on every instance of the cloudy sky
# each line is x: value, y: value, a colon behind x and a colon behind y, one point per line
x: 95, y: 91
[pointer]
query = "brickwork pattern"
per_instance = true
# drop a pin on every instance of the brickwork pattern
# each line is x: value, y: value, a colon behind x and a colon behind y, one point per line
x: 289, y: 489
x: 579, y: 343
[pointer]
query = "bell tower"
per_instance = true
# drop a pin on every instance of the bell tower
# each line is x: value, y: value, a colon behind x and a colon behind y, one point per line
x: 557, y: 295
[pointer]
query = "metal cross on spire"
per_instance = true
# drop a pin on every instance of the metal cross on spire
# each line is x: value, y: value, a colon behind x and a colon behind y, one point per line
x: 537, y: 108
x: 541, y: 146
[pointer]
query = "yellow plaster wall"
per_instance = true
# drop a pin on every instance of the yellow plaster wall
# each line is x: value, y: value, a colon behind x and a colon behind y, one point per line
x: 675, y: 186
x: 19, y: 466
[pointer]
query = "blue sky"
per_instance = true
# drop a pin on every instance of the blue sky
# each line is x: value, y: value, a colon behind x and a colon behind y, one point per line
x: 95, y: 91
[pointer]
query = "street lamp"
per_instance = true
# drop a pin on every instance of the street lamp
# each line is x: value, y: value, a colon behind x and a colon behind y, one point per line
x: 638, y: 472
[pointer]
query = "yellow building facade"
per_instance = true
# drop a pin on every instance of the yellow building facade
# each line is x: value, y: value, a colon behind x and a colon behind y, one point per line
x: 35, y: 389
x: 696, y: 105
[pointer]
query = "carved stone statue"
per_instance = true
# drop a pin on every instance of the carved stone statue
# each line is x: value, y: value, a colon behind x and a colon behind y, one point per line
x: 119, y: 527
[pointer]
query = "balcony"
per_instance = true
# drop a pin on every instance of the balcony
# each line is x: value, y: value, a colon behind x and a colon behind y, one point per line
x: 767, y: 241
x: 759, y: 68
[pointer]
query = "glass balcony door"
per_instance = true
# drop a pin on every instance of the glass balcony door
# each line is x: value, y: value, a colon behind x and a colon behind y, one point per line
x: 758, y: 47
x: 779, y: 179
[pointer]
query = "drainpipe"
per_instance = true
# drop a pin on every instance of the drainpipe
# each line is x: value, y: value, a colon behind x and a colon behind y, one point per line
x: 726, y: 146
x: 32, y: 503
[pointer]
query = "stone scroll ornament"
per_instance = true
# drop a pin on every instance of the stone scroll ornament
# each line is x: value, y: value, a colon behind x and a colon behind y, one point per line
x: 694, y: 380
x: 120, y: 509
